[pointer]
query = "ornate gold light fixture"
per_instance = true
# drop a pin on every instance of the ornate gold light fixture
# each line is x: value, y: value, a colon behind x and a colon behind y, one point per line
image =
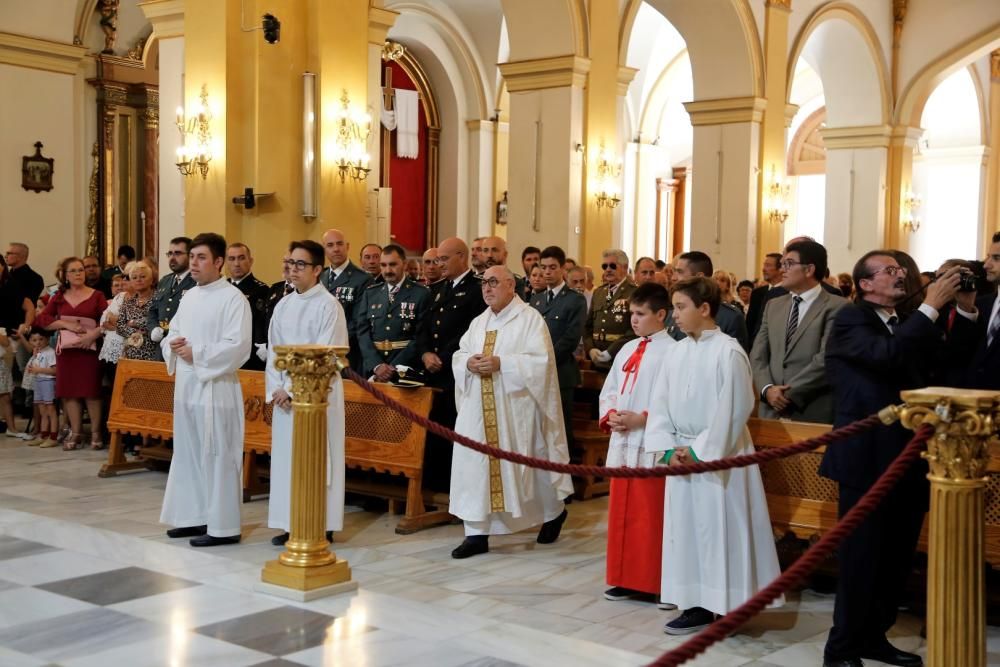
x: 195, y: 151
x: 907, y: 212
x: 776, y: 204
x: 609, y: 170
x: 350, y: 149
x: 392, y: 51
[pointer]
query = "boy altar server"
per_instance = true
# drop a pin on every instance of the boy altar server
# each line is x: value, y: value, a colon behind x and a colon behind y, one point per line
x: 635, y: 512
x: 718, y: 550
x: 208, y: 341
x: 308, y: 316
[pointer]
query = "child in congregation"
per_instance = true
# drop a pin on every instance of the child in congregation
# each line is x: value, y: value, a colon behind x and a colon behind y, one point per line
x: 7, y: 384
x: 635, y: 510
x: 718, y: 549
x: 41, y: 369
x: 111, y: 349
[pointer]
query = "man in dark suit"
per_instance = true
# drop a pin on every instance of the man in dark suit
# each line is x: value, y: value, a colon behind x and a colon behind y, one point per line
x: 456, y: 304
x: 239, y: 265
x: 279, y: 290
x: 387, y: 318
x: 564, y: 311
x: 346, y: 282
x: 530, y: 256
x: 872, y: 354
x: 770, y: 272
x: 608, y: 326
x: 432, y: 272
x: 984, y: 368
x: 167, y: 297
x: 730, y: 319
x: 125, y: 254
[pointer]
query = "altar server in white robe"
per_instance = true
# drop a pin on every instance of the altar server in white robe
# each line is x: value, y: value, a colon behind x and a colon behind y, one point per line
x: 209, y: 339
x: 505, y: 374
x: 718, y: 549
x: 308, y: 316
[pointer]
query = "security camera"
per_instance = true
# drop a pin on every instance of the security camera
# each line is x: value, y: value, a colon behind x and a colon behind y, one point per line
x: 272, y: 29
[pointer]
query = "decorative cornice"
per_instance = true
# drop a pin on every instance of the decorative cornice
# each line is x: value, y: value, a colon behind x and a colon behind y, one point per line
x: 167, y: 17
x: 119, y: 61
x: 861, y: 136
x: 379, y: 22
x: 558, y: 72
x: 40, y: 53
x: 625, y: 76
x: 726, y: 110
x: 779, y: 4
x: 790, y: 111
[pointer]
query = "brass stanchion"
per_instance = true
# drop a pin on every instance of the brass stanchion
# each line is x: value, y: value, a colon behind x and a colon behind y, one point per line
x: 965, y: 421
x: 307, y: 569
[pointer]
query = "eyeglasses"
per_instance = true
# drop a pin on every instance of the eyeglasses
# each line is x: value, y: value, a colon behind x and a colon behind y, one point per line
x: 788, y: 263
x: 74, y: 270
x: 891, y: 271
x: 611, y: 265
x: 491, y: 282
x: 297, y: 264
x: 175, y: 253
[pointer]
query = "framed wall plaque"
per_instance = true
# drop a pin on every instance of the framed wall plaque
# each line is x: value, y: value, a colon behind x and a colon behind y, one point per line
x: 36, y: 171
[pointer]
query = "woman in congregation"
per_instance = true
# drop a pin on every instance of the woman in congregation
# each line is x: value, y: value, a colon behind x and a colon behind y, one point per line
x: 8, y: 303
x: 74, y: 311
x: 536, y: 280
x: 132, y: 319
x: 111, y: 350
x: 725, y: 280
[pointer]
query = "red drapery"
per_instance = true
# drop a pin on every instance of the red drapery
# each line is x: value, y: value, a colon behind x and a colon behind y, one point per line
x: 408, y: 180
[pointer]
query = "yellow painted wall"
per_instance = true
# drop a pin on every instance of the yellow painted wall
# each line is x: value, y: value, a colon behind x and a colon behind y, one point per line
x: 772, y: 129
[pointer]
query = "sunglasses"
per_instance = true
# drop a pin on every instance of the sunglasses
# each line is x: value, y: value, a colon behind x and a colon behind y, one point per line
x: 612, y: 266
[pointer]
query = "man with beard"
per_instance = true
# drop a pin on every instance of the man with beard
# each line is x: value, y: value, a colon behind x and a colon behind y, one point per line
x: 476, y: 257
x: 170, y: 289
x: 92, y: 274
x: 495, y: 254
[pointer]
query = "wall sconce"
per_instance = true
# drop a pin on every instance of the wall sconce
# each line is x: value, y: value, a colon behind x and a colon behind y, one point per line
x: 308, y: 145
x: 907, y: 214
x: 609, y: 170
x: 195, y: 151
x: 350, y: 151
x: 502, y: 206
x: 776, y: 204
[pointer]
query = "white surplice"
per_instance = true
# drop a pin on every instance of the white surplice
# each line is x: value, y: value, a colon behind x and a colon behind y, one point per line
x: 718, y: 549
x: 205, y: 484
x: 624, y: 391
x: 529, y: 421
x: 310, y: 318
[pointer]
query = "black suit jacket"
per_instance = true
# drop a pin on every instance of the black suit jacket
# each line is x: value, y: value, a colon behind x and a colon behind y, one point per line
x: 257, y: 293
x: 983, y: 368
x: 867, y: 367
x: 450, y: 314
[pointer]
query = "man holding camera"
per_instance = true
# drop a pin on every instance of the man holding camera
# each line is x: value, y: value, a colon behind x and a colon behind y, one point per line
x: 871, y: 355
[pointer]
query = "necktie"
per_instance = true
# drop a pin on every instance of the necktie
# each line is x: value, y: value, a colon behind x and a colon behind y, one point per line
x: 994, y: 329
x: 892, y: 322
x: 392, y: 293
x: 631, y: 367
x: 177, y: 282
x: 793, y: 320
x: 549, y: 296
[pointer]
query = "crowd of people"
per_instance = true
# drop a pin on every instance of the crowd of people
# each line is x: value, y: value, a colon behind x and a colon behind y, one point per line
x: 689, y: 353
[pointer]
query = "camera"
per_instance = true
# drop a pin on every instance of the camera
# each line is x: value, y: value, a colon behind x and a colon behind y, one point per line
x: 967, y: 282
x: 271, y: 27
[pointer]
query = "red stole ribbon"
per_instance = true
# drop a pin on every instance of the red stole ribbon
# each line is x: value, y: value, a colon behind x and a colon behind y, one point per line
x: 631, y: 367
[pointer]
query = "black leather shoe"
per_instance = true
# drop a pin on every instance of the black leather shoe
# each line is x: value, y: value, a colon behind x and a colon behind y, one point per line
x: 891, y: 655
x: 279, y: 540
x: 210, y: 541
x: 472, y: 546
x: 551, y: 529
x: 848, y: 662
x: 329, y: 536
x: 190, y: 531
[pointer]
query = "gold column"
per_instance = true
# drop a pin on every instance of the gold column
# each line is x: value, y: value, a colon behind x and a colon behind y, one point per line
x: 307, y: 563
x: 965, y: 422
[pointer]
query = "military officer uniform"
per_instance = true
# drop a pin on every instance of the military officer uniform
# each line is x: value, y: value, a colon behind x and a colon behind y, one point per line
x: 166, y: 300
x: 609, y: 324
x: 729, y: 319
x: 276, y: 293
x: 564, y: 313
x: 452, y: 310
x: 256, y: 292
x: 386, y: 322
x: 347, y: 288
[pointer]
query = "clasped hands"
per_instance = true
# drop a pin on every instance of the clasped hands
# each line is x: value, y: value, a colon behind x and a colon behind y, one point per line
x: 626, y: 420
x: 283, y: 400
x: 483, y: 365
x: 776, y: 398
x: 182, y: 349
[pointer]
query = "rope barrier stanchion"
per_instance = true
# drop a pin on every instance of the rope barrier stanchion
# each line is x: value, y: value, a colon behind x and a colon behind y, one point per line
x: 808, y: 562
x: 757, y: 458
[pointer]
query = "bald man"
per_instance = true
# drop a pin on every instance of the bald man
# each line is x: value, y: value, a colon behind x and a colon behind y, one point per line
x: 346, y: 282
x: 495, y: 254
x: 432, y: 272
x: 476, y: 255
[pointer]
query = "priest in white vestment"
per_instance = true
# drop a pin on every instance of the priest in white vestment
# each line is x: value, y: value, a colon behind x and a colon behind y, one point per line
x: 308, y: 316
x: 209, y: 339
x: 505, y: 375
x: 718, y: 548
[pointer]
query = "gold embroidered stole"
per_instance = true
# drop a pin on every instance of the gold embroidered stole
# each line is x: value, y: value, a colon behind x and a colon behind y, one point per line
x: 490, y: 425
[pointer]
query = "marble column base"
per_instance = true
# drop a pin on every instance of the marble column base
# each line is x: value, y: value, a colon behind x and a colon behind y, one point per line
x: 305, y: 596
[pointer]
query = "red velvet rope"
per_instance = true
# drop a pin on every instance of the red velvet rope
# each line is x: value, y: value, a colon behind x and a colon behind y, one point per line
x: 808, y: 562
x: 743, y: 460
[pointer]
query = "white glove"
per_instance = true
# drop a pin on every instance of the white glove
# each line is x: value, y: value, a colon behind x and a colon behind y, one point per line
x: 261, y: 351
x: 156, y: 335
x: 604, y: 357
x: 595, y: 354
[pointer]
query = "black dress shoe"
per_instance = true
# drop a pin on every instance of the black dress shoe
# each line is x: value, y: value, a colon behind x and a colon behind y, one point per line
x: 190, y: 531
x: 847, y: 662
x: 279, y: 540
x: 891, y: 655
x: 329, y: 536
x: 551, y: 529
x: 210, y: 541
x: 473, y: 545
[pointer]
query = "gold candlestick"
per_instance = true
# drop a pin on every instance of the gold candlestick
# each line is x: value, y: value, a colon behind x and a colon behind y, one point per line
x: 307, y: 564
x: 965, y: 424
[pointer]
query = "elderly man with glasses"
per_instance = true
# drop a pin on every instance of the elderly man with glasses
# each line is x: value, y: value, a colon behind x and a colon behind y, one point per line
x: 608, y: 325
x: 170, y: 290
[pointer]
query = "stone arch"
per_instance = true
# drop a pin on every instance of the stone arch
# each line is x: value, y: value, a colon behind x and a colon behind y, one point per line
x: 841, y: 25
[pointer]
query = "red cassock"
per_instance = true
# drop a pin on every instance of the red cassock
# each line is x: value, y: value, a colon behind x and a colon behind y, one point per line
x: 635, y: 534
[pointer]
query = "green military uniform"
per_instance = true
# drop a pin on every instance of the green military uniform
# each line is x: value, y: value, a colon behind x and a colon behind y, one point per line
x: 387, y: 324
x: 166, y: 300
x: 609, y: 325
x: 347, y: 289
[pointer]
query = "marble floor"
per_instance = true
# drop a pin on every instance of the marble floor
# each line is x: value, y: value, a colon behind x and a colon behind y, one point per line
x: 88, y: 578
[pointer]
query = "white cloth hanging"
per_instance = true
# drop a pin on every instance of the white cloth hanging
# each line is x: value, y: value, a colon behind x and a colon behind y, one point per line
x: 387, y: 116
x: 406, y: 110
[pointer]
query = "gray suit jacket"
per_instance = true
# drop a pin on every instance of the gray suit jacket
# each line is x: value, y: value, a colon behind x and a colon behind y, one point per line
x: 802, y: 364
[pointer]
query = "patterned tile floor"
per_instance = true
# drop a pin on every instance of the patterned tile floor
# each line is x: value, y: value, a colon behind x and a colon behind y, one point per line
x: 88, y: 578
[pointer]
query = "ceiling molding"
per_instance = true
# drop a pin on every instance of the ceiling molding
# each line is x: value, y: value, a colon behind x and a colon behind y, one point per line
x: 40, y: 54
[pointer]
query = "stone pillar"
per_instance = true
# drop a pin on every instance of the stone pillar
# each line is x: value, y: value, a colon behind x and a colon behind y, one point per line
x: 856, y: 160
x: 992, y: 218
x: 545, y: 169
x: 482, y: 208
x: 639, y: 233
x: 724, y: 197
x: 150, y: 118
x: 902, y: 143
